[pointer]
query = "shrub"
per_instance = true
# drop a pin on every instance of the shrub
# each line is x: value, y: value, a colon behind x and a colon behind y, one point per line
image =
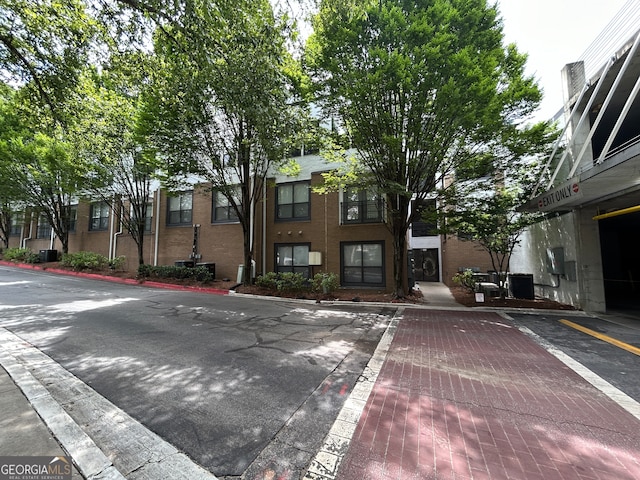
x: 296, y: 282
x: 117, y: 263
x: 268, y: 280
x: 32, y: 257
x: 200, y: 274
x: 325, y: 282
x: 466, y: 280
x: 291, y: 282
x: 19, y: 254
x: 84, y: 261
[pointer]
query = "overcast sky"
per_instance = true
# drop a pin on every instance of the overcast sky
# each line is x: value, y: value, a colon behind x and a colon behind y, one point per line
x: 554, y: 33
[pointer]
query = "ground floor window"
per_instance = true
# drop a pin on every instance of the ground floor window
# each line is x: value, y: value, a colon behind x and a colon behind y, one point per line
x: 44, y: 227
x: 362, y: 263
x: 293, y: 258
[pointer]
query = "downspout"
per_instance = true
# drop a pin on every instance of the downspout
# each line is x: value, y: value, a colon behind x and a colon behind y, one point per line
x: 264, y: 228
x: 25, y: 239
x: 112, y: 220
x: 157, y: 232
x: 115, y: 238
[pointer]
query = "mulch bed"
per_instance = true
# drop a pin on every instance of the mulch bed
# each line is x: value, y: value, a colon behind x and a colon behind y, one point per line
x: 467, y: 298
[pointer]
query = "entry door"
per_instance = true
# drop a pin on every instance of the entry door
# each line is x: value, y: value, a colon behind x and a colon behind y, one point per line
x: 427, y: 267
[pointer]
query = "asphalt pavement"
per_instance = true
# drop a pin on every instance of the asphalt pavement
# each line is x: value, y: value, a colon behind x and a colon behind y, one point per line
x: 450, y: 392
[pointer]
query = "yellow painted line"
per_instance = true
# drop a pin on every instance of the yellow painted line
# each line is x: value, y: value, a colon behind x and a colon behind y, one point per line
x: 603, y: 337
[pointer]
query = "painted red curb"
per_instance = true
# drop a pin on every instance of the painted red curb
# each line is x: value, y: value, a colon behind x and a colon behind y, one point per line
x: 129, y: 281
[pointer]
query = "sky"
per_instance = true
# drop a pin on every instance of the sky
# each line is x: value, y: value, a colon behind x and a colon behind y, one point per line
x: 554, y: 33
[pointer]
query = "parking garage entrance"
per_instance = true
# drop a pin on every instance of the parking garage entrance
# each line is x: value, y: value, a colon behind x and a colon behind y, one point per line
x: 620, y: 244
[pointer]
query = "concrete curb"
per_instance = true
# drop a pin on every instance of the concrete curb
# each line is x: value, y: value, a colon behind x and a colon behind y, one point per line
x: 106, y: 278
x: 88, y: 458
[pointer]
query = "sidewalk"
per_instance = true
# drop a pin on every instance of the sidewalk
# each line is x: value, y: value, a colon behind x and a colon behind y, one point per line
x: 467, y: 395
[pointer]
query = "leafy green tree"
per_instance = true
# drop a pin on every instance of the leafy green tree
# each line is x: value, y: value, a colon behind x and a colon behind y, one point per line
x: 41, y: 161
x: 419, y: 88
x: 10, y: 198
x: 220, y: 107
x: 44, y: 45
x: 106, y: 135
x: 482, y: 205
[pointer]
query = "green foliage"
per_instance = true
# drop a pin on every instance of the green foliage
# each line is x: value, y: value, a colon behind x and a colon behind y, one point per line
x: 200, y: 274
x: 325, y: 282
x: 296, y: 282
x: 16, y: 253
x: 268, y: 280
x: 419, y: 87
x: 84, y: 261
x: 118, y: 262
x: 465, y: 279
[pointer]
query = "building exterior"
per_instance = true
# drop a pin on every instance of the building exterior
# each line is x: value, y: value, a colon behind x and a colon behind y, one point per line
x: 584, y: 252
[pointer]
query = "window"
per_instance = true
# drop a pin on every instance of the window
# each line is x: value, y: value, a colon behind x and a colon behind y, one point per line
x: 362, y: 264
x: 148, y: 217
x: 99, y: 217
x: 222, y: 209
x: 72, y: 212
x: 293, y: 201
x: 361, y: 206
x: 44, y: 227
x: 17, y: 219
x: 180, y: 209
x: 427, y: 226
x: 293, y: 258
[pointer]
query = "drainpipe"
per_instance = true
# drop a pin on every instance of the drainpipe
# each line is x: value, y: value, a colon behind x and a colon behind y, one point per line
x: 115, y: 239
x: 264, y: 228
x: 24, y: 240
x: 111, y: 229
x: 157, y: 232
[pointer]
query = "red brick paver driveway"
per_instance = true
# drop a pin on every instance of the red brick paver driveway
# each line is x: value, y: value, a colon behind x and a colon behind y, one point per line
x: 466, y: 395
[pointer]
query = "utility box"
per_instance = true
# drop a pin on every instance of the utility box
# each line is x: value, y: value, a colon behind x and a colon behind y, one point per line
x: 48, y: 256
x: 521, y: 285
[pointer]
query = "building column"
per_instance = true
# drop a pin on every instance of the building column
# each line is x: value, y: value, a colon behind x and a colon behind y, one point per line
x: 590, y: 275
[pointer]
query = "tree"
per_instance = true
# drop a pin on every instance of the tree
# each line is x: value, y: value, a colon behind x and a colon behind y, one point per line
x: 10, y: 198
x: 419, y: 87
x: 43, y: 47
x: 482, y: 205
x: 219, y: 106
x: 106, y: 135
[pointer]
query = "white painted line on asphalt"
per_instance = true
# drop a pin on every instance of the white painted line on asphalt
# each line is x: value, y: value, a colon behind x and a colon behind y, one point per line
x: 618, y: 396
x: 135, y: 450
x: 327, y: 461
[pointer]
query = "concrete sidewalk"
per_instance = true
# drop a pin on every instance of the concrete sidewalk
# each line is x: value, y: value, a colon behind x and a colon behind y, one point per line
x: 467, y: 395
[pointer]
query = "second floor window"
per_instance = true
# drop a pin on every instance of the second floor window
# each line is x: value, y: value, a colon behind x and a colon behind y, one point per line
x: 361, y: 206
x: 72, y: 217
x: 222, y: 209
x: 180, y: 209
x: 99, y: 217
x: 17, y: 219
x: 426, y: 226
x: 293, y: 201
